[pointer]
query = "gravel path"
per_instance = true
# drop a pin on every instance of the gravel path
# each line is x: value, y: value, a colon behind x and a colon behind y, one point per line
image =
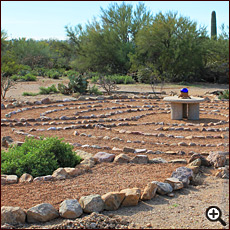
x: 184, y: 211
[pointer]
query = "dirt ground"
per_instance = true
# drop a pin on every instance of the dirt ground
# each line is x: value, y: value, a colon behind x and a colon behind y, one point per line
x: 185, y: 210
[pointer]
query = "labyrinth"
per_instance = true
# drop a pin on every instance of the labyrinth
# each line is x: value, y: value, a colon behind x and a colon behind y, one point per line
x: 131, y: 125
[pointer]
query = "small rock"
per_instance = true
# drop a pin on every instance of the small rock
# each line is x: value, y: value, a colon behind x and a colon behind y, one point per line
x: 104, y: 157
x: 217, y: 159
x: 45, y: 101
x: 140, y: 159
x: 113, y: 200
x: 182, y: 144
x: 26, y: 178
x: 140, y: 150
x: 128, y: 150
x: 178, y: 161
x: 12, y: 215
x: 92, y: 203
x: 132, y: 196
x: 163, y: 188
x: 11, y: 179
x: 122, y: 158
x: 174, y: 182
x: 157, y: 160
x: 41, y: 213
x: 204, y: 161
x: 70, y: 209
x: 60, y: 174
x: 185, y: 175
x: 149, y: 191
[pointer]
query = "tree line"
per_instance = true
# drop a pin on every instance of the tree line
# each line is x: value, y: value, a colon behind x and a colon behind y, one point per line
x: 127, y: 41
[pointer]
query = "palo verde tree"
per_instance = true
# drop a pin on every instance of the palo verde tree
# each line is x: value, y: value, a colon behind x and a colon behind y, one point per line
x: 171, y: 47
x: 105, y: 46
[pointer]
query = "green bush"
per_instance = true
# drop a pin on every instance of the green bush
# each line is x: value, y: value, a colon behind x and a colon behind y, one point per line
x: 63, y: 89
x: 15, y: 77
x: 94, y: 90
x: 48, y: 90
x: 28, y: 77
x: 118, y: 79
x: 55, y: 74
x: 38, y: 157
x: 225, y: 95
x: 29, y: 94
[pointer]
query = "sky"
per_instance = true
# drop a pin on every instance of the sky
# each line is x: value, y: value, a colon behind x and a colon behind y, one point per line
x: 47, y: 19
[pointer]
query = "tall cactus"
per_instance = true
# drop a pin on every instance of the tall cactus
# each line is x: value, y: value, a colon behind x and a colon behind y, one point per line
x: 213, y: 26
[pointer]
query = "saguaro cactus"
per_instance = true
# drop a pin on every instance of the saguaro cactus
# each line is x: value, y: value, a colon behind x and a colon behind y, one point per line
x: 213, y: 26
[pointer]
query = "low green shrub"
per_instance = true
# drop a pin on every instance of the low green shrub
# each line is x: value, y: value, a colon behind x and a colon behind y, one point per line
x: 225, y: 94
x: 15, y: 77
x: 118, y: 79
x: 28, y: 77
x: 48, y: 90
x: 64, y: 89
x: 55, y: 74
x: 38, y: 157
x: 94, y: 90
x: 29, y: 94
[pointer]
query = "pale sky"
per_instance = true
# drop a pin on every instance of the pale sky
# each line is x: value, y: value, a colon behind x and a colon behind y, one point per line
x: 47, y: 19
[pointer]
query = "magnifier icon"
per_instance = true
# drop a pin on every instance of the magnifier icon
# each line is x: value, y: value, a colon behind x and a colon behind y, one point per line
x: 213, y: 213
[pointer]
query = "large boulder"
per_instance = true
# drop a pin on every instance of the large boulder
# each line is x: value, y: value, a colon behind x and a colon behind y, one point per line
x: 183, y: 174
x: 92, y: 203
x: 217, y: 159
x: 149, y: 191
x: 174, y: 182
x: 163, y: 188
x: 113, y: 200
x: 104, y: 157
x: 12, y: 215
x: 70, y: 209
x: 41, y: 213
x: 122, y: 158
x: 132, y: 196
x: 26, y: 177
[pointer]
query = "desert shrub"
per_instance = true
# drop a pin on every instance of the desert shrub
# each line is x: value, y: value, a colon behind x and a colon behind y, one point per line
x: 71, y: 72
x: 118, y: 79
x: 144, y: 75
x: 38, y: 157
x: 28, y: 77
x: 63, y: 89
x: 29, y: 94
x: 6, y: 84
x: 55, y: 74
x: 94, y: 79
x: 48, y: 90
x: 225, y: 95
x: 15, y: 77
x: 94, y: 90
x: 108, y: 84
